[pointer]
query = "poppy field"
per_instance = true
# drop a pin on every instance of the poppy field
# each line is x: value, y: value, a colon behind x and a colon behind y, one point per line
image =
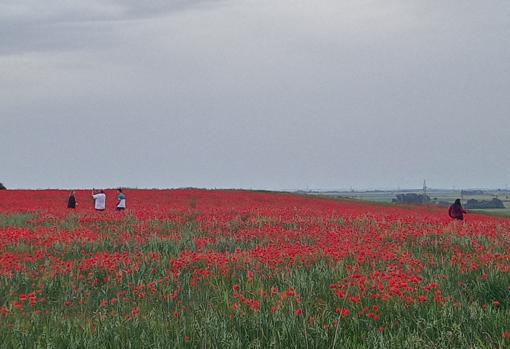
x: 240, y: 269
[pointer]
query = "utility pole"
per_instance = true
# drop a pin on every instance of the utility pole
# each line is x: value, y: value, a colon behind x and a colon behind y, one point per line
x: 424, y: 187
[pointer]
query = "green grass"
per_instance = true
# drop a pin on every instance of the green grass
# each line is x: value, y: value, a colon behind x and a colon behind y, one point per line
x: 17, y: 220
x: 501, y: 212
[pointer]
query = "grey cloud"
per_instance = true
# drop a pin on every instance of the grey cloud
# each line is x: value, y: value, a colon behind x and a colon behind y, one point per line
x: 265, y: 93
x: 32, y: 25
x: 53, y: 11
x: 29, y: 37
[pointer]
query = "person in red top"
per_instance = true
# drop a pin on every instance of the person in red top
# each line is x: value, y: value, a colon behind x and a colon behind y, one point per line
x: 456, y: 211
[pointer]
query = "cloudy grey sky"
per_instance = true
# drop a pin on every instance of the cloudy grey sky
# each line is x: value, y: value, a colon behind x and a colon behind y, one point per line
x: 254, y: 93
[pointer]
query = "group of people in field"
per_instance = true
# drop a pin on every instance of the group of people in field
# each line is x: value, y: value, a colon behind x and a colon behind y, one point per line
x: 455, y: 211
x: 99, y: 198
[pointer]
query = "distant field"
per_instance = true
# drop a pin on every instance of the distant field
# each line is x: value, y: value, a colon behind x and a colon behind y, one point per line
x: 495, y: 212
x: 437, y: 196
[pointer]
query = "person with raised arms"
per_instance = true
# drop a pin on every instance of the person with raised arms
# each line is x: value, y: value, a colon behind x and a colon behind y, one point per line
x: 99, y: 199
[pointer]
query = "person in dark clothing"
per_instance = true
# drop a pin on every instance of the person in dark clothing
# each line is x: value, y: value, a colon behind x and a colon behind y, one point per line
x: 456, y: 211
x: 71, y: 202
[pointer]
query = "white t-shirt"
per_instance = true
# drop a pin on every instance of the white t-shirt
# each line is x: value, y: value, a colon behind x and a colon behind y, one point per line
x: 99, y: 201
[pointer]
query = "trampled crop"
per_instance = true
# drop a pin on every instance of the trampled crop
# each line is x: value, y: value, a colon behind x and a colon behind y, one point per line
x: 190, y: 268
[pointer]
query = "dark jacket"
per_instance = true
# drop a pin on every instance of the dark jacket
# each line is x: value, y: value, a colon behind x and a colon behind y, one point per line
x: 71, y: 203
x: 456, y: 211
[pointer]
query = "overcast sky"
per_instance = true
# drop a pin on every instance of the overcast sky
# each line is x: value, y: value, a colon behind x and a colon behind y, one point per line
x: 254, y: 93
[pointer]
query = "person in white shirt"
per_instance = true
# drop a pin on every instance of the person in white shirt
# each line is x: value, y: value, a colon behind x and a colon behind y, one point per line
x: 121, y: 200
x: 99, y: 200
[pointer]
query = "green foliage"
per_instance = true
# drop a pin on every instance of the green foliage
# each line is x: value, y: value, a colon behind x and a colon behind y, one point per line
x: 494, y: 203
x: 18, y: 220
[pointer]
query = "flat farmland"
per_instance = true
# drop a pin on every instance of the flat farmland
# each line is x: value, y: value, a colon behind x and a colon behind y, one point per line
x: 240, y: 269
x: 439, y: 197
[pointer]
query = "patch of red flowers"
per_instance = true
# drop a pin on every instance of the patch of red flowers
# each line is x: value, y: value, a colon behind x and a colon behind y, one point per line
x: 247, y: 239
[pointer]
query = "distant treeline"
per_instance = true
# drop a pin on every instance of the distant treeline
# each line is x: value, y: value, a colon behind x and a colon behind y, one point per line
x: 2, y: 187
x: 419, y: 199
x: 479, y: 204
x: 411, y: 198
x: 472, y: 192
